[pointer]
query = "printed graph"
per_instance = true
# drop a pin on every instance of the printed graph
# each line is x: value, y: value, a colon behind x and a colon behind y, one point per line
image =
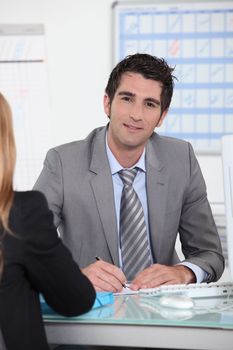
x: 197, y: 39
x: 24, y: 82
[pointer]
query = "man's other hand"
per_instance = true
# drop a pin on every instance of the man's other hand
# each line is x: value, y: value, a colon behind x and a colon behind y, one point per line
x: 157, y: 274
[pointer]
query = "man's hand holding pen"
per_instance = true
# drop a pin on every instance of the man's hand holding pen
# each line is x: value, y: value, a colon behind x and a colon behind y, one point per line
x: 105, y: 276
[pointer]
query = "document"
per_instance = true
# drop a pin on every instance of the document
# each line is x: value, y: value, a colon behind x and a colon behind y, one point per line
x: 126, y: 291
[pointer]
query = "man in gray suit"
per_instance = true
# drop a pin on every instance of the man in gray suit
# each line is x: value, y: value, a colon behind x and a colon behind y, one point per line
x: 82, y: 184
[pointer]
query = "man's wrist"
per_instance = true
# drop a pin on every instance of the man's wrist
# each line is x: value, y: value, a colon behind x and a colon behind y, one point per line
x: 188, y: 274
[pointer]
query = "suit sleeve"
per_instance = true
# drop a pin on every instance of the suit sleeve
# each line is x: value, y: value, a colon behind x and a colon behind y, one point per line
x: 200, y: 240
x: 49, y: 264
x: 50, y: 182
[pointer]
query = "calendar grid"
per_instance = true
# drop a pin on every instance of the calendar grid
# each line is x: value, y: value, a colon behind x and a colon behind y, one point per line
x: 198, y: 41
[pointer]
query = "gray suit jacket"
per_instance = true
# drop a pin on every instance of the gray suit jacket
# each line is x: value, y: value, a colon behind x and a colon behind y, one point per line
x: 76, y: 179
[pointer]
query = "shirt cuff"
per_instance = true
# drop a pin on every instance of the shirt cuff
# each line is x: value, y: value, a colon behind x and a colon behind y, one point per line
x: 201, y: 275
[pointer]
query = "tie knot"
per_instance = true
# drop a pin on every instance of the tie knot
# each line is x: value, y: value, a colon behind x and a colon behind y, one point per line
x: 128, y: 176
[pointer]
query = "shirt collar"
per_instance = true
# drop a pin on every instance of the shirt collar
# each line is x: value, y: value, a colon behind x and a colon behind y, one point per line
x: 115, y: 165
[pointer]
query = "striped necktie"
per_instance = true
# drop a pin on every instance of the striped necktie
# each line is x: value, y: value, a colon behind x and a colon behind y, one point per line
x: 135, y: 250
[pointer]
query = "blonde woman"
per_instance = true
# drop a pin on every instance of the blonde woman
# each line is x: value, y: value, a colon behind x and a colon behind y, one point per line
x: 33, y: 259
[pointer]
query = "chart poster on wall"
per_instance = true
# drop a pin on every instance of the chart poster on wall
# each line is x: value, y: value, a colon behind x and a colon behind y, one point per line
x: 24, y: 82
x: 196, y: 38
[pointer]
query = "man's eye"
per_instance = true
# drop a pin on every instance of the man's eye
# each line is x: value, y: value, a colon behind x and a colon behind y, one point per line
x: 150, y: 104
x: 126, y: 98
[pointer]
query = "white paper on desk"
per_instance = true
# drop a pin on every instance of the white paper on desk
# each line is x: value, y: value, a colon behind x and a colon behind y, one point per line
x: 126, y: 291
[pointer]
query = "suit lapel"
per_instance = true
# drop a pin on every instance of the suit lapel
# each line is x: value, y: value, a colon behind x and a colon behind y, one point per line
x: 157, y: 186
x: 102, y: 187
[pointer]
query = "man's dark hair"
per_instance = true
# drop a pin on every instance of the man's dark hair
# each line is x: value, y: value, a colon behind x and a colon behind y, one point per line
x: 150, y: 67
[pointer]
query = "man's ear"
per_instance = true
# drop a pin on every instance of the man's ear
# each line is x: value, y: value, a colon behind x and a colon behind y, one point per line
x: 107, y: 106
x: 161, y: 119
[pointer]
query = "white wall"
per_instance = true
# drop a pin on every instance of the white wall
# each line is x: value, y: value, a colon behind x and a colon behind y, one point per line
x: 78, y: 39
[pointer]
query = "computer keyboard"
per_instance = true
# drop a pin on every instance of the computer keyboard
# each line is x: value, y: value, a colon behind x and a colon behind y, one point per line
x: 193, y: 290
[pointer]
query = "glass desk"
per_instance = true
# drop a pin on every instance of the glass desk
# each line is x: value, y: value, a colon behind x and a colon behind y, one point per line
x: 139, y: 321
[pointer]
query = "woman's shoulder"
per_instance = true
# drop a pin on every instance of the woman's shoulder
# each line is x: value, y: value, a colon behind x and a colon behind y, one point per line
x: 28, y: 196
x: 30, y: 211
x: 26, y: 202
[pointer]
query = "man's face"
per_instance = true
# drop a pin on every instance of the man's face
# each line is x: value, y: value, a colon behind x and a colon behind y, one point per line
x: 134, y: 113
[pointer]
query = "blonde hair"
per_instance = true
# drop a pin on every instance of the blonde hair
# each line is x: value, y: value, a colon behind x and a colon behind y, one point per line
x: 7, y: 165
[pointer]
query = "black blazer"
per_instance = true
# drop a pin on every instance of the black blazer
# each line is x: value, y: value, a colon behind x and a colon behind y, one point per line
x: 35, y: 260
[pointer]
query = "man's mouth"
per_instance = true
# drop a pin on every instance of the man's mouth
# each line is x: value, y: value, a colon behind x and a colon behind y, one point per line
x: 132, y: 127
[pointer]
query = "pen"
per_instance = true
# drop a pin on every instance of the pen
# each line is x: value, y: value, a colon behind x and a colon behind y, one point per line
x: 123, y: 284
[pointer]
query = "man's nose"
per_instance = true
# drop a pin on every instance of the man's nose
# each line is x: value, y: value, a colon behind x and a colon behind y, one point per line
x: 136, y: 112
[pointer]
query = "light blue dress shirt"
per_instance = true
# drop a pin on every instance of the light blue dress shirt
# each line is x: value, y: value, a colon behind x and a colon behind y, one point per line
x: 139, y: 186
